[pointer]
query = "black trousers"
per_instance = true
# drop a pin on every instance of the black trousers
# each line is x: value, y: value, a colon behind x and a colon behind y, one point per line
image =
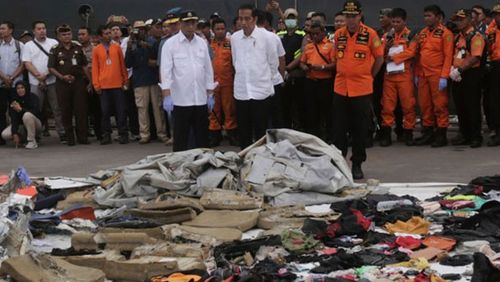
x: 276, y: 116
x: 73, y: 101
x: 467, y: 97
x: 114, y: 100
x: 95, y: 116
x: 494, y: 96
x: 293, y: 101
x: 133, y: 119
x: 318, y: 103
x: 190, y: 119
x: 253, y: 117
x: 352, y: 115
x: 5, y: 94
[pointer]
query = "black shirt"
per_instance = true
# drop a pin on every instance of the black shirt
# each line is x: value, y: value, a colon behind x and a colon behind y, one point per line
x: 29, y: 104
x: 291, y: 43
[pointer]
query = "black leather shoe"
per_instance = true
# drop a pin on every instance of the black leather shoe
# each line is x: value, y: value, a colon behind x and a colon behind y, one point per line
x: 494, y: 141
x: 105, y: 140
x: 357, y: 172
x: 71, y: 142
x: 460, y: 140
x: 476, y: 143
x: 440, y: 140
x: 408, y: 137
x: 427, y: 137
x: 123, y: 139
x: 386, y: 138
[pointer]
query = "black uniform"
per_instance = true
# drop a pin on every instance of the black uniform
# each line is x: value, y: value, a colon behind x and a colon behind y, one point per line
x: 72, y: 97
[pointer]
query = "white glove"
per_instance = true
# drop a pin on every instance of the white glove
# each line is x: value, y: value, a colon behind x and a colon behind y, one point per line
x: 455, y: 75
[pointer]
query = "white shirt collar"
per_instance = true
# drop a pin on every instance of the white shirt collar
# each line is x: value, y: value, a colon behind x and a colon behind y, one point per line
x: 3, y: 42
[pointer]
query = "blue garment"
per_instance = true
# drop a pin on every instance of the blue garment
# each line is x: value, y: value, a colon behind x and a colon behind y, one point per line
x: 138, y: 58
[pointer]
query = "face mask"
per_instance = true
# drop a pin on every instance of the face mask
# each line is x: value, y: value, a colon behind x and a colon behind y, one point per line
x: 291, y: 23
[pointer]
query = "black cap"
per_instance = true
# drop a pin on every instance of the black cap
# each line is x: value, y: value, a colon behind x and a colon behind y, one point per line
x: 189, y: 16
x: 461, y: 14
x: 352, y: 7
x: 63, y: 28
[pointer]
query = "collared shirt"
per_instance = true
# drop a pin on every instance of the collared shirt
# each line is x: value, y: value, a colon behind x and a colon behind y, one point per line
x: 108, y: 67
x: 31, y: 53
x: 402, y: 40
x: 355, y: 55
x: 435, y: 51
x: 68, y: 61
x: 311, y: 56
x: 137, y: 58
x: 124, y: 46
x: 277, y: 79
x: 255, y: 60
x: 186, y: 70
x: 494, y: 43
x: 222, y: 62
x: 463, y: 52
x: 10, y: 58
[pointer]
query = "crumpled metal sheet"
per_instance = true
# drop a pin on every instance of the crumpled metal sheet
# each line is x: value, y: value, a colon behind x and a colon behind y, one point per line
x: 294, y: 162
x: 187, y: 173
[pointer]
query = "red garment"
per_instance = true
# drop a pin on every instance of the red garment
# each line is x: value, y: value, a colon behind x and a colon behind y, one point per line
x: 408, y: 242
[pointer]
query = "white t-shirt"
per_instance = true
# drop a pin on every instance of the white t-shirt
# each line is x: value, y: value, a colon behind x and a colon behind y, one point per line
x: 31, y: 53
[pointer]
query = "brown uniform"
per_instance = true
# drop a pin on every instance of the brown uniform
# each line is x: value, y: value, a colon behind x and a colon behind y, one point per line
x: 72, y: 97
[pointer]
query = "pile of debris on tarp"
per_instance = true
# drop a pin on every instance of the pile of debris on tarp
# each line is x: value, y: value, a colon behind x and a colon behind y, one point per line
x: 284, y: 209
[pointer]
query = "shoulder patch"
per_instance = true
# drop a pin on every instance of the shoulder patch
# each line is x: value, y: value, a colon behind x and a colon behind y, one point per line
x: 376, y: 42
x: 477, y: 42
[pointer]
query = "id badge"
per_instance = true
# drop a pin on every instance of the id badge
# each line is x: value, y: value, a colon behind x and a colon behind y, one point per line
x: 108, y: 62
x: 74, y: 62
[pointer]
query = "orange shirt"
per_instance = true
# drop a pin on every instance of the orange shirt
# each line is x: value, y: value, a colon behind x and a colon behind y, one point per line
x: 108, y: 67
x: 355, y: 55
x: 223, y: 62
x: 493, y: 33
x: 462, y: 54
x: 409, y: 51
x: 311, y: 56
x: 435, y: 51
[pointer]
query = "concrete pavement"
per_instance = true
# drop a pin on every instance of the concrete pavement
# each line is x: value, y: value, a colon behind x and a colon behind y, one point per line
x: 393, y: 164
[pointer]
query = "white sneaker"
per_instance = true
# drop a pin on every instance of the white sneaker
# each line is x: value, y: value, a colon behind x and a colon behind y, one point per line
x: 31, y: 145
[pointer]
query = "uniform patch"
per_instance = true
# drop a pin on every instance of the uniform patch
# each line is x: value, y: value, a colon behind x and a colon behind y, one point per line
x: 359, y: 55
x: 376, y: 43
x: 227, y: 45
x: 362, y: 39
x: 341, y: 47
x: 438, y: 33
x: 340, y: 54
x: 477, y: 42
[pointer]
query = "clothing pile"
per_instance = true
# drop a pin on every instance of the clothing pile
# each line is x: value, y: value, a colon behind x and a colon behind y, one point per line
x: 285, y: 209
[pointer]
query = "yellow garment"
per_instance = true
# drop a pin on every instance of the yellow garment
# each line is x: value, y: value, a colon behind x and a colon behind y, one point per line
x: 418, y: 263
x: 416, y: 225
x: 177, y: 277
x: 461, y: 198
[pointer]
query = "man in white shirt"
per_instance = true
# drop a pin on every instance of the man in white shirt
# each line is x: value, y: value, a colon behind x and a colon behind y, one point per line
x: 255, y: 60
x: 35, y: 56
x: 187, y: 83
x: 265, y: 21
x: 11, y: 69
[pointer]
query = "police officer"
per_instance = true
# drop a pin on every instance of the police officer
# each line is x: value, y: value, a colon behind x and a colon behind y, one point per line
x: 68, y: 63
x: 466, y: 74
x: 359, y: 57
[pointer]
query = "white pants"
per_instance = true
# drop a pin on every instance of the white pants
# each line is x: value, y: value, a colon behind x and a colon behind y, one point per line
x: 32, y: 125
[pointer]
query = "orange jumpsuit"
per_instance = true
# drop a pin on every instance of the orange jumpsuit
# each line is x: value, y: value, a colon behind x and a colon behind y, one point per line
x: 224, y: 113
x: 400, y: 84
x: 434, y: 56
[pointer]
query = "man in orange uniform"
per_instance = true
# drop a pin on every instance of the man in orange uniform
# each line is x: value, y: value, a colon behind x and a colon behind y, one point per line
x: 398, y: 83
x: 493, y: 34
x: 224, y: 113
x: 435, y: 52
x: 317, y: 62
x: 466, y: 74
x: 359, y: 55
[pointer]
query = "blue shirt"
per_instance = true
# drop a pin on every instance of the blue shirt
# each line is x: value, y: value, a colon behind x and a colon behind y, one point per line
x: 138, y: 59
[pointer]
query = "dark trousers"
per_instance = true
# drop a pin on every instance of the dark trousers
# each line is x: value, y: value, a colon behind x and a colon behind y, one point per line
x: 276, y: 117
x: 318, y: 104
x: 294, y: 112
x: 486, y: 100
x: 95, y: 116
x: 352, y: 115
x: 187, y: 120
x: 253, y: 117
x: 467, y: 97
x: 114, y: 99
x: 5, y: 94
x: 73, y: 101
x: 494, y: 96
x: 132, y: 117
